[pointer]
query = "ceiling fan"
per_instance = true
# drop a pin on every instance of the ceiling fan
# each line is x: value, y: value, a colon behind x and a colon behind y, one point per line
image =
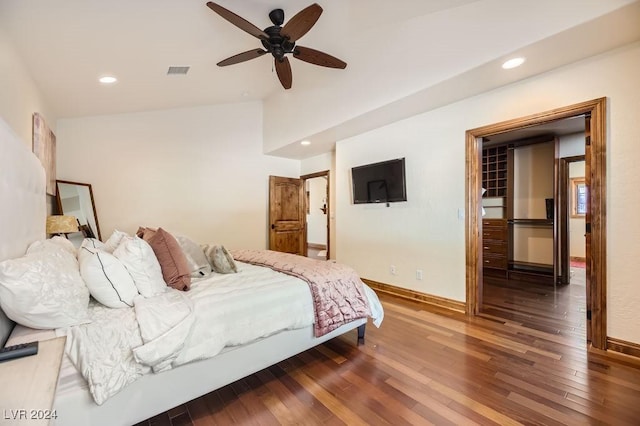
x: 280, y: 40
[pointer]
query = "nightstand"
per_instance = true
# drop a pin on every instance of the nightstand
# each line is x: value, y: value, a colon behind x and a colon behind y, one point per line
x: 29, y: 385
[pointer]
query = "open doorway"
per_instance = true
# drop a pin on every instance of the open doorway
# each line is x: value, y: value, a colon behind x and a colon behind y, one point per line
x: 316, y: 189
x: 526, y: 224
x: 595, y: 243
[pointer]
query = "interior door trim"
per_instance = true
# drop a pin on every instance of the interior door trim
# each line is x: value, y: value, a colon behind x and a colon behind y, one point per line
x: 596, y: 255
x: 565, y: 206
x: 326, y: 173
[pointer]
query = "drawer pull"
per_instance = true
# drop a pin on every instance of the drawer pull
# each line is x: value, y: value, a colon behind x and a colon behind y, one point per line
x: 486, y: 248
x: 486, y: 261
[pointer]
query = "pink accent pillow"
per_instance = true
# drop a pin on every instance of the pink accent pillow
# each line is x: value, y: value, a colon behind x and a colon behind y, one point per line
x: 173, y: 263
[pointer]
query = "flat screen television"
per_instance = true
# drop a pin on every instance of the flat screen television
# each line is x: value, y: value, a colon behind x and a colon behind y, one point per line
x: 379, y: 182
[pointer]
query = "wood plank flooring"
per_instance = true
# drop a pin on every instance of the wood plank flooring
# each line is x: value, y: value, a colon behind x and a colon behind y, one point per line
x: 430, y: 366
x: 558, y: 310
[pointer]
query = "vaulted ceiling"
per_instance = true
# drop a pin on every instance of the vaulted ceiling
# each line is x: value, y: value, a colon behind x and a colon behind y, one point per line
x: 393, y: 49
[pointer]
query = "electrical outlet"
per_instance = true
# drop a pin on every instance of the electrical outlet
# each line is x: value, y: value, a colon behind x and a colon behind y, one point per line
x: 392, y: 269
x: 418, y: 274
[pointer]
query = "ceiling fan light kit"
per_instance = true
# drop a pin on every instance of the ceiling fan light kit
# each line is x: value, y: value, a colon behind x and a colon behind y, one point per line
x: 280, y: 41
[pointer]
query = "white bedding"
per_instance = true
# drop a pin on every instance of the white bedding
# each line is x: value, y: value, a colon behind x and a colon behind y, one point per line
x: 121, y: 345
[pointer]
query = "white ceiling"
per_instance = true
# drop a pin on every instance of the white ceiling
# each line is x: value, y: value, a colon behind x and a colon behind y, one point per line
x: 393, y: 49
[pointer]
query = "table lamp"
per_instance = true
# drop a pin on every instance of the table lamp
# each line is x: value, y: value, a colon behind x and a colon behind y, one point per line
x: 60, y: 224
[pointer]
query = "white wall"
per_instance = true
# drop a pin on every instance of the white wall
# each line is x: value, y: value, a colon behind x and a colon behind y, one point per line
x: 20, y: 96
x: 316, y: 219
x: 571, y: 145
x: 196, y: 171
x: 321, y: 163
x: 426, y: 233
x: 577, y: 239
x: 533, y: 168
x: 422, y: 233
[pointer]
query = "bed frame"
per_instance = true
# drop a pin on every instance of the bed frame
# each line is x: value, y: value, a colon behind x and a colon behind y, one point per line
x: 155, y: 393
x: 22, y: 219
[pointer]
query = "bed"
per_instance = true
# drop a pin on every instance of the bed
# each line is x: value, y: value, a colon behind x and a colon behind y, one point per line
x: 22, y: 186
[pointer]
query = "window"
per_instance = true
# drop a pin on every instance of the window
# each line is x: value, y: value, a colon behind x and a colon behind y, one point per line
x: 578, y: 197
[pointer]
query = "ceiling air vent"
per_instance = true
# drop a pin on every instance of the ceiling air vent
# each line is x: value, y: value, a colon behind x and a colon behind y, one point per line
x: 177, y: 70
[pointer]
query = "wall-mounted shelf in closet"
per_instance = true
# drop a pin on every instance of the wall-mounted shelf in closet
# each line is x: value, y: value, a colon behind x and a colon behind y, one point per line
x: 494, y: 171
x: 532, y: 222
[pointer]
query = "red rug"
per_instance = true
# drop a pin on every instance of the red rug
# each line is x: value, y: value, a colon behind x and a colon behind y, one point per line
x: 578, y: 264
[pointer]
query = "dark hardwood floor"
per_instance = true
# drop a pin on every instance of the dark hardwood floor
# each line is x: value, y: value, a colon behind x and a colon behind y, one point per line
x: 558, y: 310
x: 316, y: 252
x: 431, y: 366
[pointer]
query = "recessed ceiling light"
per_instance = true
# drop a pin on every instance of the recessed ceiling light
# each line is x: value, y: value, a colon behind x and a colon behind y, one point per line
x: 107, y: 79
x: 305, y: 143
x: 512, y: 63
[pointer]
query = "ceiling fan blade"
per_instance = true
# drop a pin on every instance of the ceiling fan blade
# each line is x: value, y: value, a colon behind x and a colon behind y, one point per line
x: 241, y: 57
x: 301, y: 22
x: 238, y: 21
x: 283, y: 69
x: 317, y: 57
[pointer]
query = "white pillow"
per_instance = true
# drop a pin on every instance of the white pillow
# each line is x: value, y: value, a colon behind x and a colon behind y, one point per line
x: 93, y: 243
x: 198, y: 264
x: 107, y: 279
x: 114, y: 240
x: 55, y: 241
x: 43, y: 289
x: 143, y: 266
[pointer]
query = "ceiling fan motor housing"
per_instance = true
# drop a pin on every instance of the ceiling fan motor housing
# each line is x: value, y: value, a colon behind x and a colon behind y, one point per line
x: 277, y: 45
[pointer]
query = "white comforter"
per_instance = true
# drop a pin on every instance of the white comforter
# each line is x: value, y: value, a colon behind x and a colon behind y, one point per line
x: 165, y: 331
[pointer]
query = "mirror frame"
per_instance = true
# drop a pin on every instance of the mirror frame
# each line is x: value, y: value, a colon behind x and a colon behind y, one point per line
x: 93, y: 203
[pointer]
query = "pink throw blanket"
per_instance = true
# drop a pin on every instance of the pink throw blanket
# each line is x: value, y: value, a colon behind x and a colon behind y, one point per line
x: 338, y: 293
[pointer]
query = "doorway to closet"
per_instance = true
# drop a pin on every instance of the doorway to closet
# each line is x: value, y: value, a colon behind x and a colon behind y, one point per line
x: 316, y: 190
x: 546, y: 221
x: 527, y: 275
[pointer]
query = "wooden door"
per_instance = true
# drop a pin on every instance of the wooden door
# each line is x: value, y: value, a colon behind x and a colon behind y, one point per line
x: 587, y: 220
x: 287, y: 231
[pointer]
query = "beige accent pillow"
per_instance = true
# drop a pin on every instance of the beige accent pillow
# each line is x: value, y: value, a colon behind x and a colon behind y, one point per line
x: 198, y: 262
x: 173, y: 263
x: 145, y: 233
x: 220, y: 259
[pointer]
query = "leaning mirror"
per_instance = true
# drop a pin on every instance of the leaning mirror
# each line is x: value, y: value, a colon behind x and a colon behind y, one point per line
x: 76, y: 199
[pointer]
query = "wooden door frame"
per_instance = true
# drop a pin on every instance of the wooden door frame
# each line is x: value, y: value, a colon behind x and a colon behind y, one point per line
x: 596, y: 145
x: 326, y: 173
x: 565, y: 206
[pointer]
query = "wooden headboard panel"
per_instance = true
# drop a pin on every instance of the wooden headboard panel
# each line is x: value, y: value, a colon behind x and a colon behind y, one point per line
x: 23, y: 203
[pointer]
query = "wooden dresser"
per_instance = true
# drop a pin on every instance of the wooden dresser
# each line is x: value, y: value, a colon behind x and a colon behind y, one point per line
x: 494, y: 247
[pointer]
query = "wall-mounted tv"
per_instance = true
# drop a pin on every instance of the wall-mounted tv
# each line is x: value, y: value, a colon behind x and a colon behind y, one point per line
x: 379, y: 182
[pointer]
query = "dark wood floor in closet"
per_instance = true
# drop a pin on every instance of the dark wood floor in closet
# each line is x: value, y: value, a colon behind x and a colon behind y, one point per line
x: 430, y: 366
x: 557, y: 310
